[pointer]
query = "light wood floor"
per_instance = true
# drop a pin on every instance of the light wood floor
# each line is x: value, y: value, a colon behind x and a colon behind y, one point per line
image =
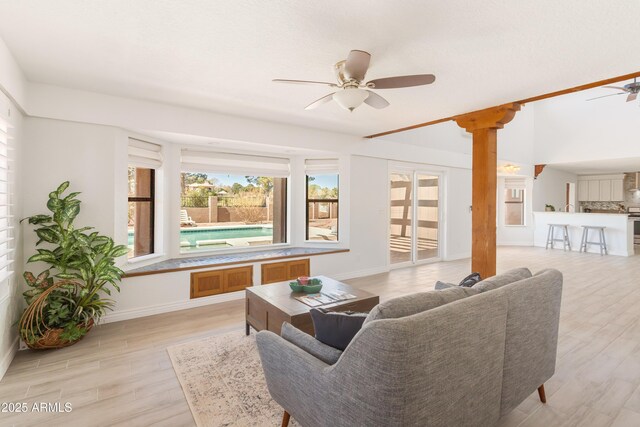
x: 121, y: 374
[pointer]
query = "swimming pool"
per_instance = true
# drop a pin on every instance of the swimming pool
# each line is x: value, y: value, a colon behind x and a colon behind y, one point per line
x: 189, y: 238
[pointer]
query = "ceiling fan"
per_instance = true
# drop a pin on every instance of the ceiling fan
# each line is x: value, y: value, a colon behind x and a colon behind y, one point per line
x: 353, y: 91
x: 630, y: 89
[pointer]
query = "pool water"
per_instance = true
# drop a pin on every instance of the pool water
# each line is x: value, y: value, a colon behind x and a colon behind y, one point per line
x: 195, y: 234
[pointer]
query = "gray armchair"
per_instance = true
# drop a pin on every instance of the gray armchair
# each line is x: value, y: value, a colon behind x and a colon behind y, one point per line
x: 441, y: 367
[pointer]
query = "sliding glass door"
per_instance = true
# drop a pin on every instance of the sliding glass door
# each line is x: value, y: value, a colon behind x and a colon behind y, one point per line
x: 414, y: 217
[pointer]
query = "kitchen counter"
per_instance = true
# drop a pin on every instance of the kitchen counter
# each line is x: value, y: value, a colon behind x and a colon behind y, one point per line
x: 618, y: 231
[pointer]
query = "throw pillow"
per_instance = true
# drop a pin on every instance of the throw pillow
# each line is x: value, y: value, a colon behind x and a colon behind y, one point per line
x: 443, y: 285
x: 336, y: 329
x: 470, y: 280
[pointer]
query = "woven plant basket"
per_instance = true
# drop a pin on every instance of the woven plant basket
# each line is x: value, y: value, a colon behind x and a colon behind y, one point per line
x: 31, y: 321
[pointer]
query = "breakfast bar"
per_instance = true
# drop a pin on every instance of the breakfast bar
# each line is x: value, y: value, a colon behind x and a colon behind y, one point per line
x: 618, y: 229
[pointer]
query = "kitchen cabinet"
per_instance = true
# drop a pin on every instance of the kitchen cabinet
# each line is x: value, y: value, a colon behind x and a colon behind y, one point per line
x: 583, y: 191
x: 605, y: 190
x: 601, y: 188
x: 617, y: 190
x: 594, y: 191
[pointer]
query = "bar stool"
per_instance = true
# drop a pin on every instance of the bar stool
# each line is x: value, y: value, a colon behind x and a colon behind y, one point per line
x: 602, y: 243
x: 551, y: 233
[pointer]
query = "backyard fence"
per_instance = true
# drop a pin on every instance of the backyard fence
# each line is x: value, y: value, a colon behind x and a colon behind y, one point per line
x: 194, y: 201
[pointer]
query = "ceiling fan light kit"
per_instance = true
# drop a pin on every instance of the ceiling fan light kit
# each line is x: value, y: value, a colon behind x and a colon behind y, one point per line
x: 350, y: 98
x: 353, y: 91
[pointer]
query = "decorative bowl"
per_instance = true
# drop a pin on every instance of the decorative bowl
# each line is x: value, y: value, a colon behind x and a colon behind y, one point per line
x: 296, y: 287
x: 312, y: 289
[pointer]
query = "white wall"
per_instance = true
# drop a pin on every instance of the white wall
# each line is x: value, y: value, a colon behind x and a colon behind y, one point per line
x: 571, y: 129
x: 457, y: 224
x: 93, y: 158
x: 550, y: 188
x: 11, y: 302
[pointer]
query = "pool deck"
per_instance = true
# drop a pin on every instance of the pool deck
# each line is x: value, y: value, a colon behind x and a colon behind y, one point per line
x: 193, y: 263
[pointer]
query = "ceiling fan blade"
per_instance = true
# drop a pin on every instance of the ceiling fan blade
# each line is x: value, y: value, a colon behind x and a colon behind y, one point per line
x: 319, y: 102
x: 402, y: 81
x: 632, y: 96
x: 304, y: 82
x: 617, y: 87
x: 376, y: 101
x: 357, y: 64
x: 604, y: 96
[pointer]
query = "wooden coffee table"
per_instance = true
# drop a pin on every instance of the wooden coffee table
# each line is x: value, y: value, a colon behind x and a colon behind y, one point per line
x: 268, y: 306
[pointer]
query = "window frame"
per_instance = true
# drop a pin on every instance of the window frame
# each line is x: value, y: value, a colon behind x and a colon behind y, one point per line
x: 522, y: 203
x: 204, y: 250
x: 306, y: 209
x: 152, y: 213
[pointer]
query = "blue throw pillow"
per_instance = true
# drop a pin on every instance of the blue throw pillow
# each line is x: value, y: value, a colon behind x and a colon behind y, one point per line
x: 336, y: 329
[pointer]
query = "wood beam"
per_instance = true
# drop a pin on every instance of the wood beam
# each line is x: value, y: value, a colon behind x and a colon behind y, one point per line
x: 521, y: 102
x: 538, y: 170
x: 484, y: 125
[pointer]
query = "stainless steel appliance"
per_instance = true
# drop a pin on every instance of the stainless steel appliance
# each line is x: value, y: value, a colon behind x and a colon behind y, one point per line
x: 634, y: 213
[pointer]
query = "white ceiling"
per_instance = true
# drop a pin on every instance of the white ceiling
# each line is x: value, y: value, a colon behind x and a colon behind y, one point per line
x: 222, y: 55
x: 595, y: 167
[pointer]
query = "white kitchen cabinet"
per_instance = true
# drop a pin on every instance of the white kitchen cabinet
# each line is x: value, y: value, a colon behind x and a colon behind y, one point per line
x: 601, y: 188
x: 617, y: 190
x: 594, y: 191
x: 605, y: 190
x: 583, y: 191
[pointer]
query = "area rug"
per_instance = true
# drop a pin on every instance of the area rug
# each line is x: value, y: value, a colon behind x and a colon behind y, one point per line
x: 223, y: 382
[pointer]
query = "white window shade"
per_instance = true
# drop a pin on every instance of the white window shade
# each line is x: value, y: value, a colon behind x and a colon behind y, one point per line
x: 7, y: 220
x: 321, y: 166
x: 514, y: 183
x: 144, y: 154
x: 226, y: 163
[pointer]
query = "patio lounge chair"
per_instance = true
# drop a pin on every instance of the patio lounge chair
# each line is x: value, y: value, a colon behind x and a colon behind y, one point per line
x: 185, y: 219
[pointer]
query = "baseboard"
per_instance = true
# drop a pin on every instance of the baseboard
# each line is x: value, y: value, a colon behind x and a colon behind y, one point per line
x: 361, y: 273
x: 516, y: 243
x: 8, y: 357
x: 134, y: 313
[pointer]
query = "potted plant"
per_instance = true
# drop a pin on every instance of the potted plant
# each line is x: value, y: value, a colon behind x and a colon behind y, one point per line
x: 66, y: 299
x: 549, y: 208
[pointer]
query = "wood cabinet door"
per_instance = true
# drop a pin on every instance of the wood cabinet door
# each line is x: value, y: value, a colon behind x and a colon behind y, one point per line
x: 594, y: 191
x: 274, y: 272
x: 207, y: 283
x: 605, y: 190
x: 236, y: 279
x: 297, y: 268
x: 286, y: 270
x: 583, y: 191
x: 617, y: 190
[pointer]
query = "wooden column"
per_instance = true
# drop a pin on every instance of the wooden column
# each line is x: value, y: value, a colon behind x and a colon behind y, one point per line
x: 484, y: 125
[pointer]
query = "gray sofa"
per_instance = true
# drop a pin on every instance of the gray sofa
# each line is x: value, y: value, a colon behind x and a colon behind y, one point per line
x: 449, y: 357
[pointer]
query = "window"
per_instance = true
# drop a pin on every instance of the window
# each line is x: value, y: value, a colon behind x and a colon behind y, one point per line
x: 7, y: 243
x: 514, y: 202
x: 322, y: 199
x: 144, y: 158
x: 232, y: 201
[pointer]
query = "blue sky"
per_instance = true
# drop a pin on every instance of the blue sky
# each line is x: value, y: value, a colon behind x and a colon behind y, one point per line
x: 329, y: 181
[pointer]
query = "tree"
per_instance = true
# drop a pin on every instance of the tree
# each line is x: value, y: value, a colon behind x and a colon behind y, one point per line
x: 262, y: 182
x: 187, y: 178
x: 236, y: 188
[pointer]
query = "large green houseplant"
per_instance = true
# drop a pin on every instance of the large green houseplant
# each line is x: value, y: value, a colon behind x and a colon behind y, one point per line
x: 67, y: 298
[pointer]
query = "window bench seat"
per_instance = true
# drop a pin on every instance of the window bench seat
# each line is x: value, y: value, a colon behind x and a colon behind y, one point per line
x: 192, y: 263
